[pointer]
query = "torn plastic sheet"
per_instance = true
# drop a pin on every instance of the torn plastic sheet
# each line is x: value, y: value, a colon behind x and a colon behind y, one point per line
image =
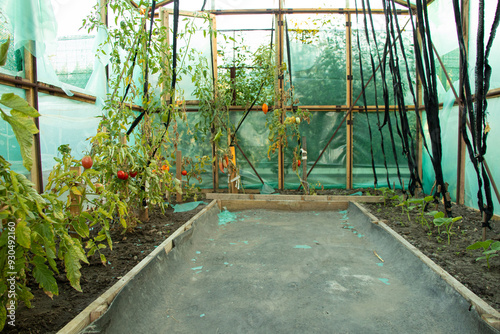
x: 186, y: 206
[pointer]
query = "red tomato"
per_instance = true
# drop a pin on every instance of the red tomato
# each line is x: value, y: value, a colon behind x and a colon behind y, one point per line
x: 184, y: 173
x: 87, y: 162
x: 133, y: 174
x: 299, y: 163
x: 122, y: 175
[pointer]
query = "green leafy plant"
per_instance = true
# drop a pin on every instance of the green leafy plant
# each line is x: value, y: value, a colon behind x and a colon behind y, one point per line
x: 440, y: 220
x: 34, y: 229
x: 387, y: 193
x: 490, y: 249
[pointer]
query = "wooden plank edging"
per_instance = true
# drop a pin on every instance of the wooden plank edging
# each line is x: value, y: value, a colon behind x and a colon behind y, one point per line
x: 101, y: 304
x: 490, y: 315
x: 306, y: 198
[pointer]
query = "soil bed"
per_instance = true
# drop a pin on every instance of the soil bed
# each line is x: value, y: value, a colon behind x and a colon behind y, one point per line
x: 50, y: 315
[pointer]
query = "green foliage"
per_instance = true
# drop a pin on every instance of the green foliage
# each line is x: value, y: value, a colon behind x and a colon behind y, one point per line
x: 447, y: 222
x: 490, y: 249
x: 387, y: 193
x: 21, y: 121
x: 4, y: 50
x: 35, y: 237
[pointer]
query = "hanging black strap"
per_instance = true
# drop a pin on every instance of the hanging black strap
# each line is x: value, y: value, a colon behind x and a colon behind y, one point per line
x: 289, y: 57
x: 256, y: 97
x: 365, y: 104
x: 174, y: 75
x: 477, y: 113
x: 146, y: 73
x: 424, y: 57
x: 374, y: 73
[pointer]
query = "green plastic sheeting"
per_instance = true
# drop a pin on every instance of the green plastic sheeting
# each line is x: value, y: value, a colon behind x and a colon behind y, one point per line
x: 31, y: 21
x: 226, y: 217
x: 186, y: 206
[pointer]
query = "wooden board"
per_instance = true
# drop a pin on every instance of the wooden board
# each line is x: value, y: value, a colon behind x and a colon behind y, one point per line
x: 304, y: 198
x: 238, y: 205
x: 100, y: 305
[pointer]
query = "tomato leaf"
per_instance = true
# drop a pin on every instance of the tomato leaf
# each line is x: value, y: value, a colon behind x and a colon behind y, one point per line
x: 23, y: 234
x: 44, y: 276
x: 72, y: 265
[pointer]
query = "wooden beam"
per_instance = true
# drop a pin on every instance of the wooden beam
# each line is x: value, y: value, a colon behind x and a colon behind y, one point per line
x: 349, y: 102
x: 295, y: 11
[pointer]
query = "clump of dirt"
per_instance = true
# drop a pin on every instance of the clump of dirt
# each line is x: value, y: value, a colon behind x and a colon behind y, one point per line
x: 50, y: 315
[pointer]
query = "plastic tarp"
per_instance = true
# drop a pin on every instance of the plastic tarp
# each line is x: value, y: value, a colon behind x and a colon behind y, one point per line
x: 318, y: 58
x: 15, y: 58
x: 64, y: 121
x: 186, y: 206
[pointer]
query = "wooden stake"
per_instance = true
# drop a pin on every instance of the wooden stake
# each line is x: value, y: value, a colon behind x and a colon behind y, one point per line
x: 378, y: 256
x: 178, y: 173
x: 304, y: 166
x: 74, y: 207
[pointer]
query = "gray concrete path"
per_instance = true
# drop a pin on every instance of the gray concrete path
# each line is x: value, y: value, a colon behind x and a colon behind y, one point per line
x: 288, y: 272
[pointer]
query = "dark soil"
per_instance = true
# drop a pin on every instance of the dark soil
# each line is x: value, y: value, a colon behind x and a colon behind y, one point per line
x: 50, y: 315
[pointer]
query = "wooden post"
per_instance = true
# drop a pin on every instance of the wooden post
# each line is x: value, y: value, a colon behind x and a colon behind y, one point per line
x: 74, y: 207
x: 304, y: 165
x: 32, y: 99
x: 104, y: 20
x: 349, y: 120
x: 280, y: 90
x: 461, y: 155
x: 215, y: 169
x: 232, y: 171
x: 178, y: 173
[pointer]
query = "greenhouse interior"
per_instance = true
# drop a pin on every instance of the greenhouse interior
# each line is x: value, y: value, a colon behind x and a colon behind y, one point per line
x: 110, y: 107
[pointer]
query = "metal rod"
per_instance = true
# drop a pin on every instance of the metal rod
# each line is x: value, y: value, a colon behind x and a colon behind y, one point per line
x: 255, y: 171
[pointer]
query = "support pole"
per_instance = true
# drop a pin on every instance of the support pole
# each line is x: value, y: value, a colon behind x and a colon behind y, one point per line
x: 303, y: 158
x: 280, y: 90
x: 213, y: 42
x: 178, y: 173
x: 349, y: 119
x: 32, y: 99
